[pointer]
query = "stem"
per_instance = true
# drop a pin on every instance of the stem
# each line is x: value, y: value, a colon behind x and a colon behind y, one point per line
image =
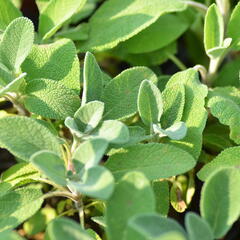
x: 177, y: 62
x: 197, y: 5
x: 49, y: 183
x: 81, y: 214
x: 61, y: 194
x: 212, y: 70
x: 203, y: 72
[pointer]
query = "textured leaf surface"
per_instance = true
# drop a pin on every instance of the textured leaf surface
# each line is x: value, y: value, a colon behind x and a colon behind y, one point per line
x: 194, y: 113
x: 8, y: 13
x: 65, y: 228
x: 51, y: 165
x: 113, y: 131
x: 89, y: 153
x: 92, y: 80
x: 197, y: 227
x: 96, y: 182
x: 5, y: 75
x: 233, y: 29
x: 151, y: 226
x: 55, y: 14
x: 150, y: 104
x: 221, y: 190
x: 108, y: 25
x: 16, y: 43
x: 51, y: 99
x: 57, y: 61
x: 24, y: 136
x: 10, y: 235
x: 227, y: 158
x: 161, y: 33
x: 213, y: 28
x: 155, y: 160
x: 133, y: 195
x: 224, y: 104
x: 18, y: 205
x: 173, y: 104
x: 120, y: 94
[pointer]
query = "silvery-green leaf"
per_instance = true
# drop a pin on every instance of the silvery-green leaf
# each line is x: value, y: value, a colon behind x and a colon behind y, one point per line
x: 5, y: 75
x: 96, y: 182
x: 89, y: 153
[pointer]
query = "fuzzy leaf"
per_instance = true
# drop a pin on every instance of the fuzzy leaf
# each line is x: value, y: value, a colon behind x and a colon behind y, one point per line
x: 55, y: 14
x: 96, y: 182
x: 224, y: 104
x: 113, y: 131
x: 197, y: 227
x: 5, y: 75
x: 195, y: 94
x: 173, y: 105
x: 108, y: 25
x: 155, y: 160
x: 24, y: 136
x: 158, y: 35
x: 151, y: 226
x: 19, y: 205
x: 51, y: 99
x: 233, y: 29
x: 133, y: 195
x: 89, y: 153
x: 51, y: 165
x: 8, y: 13
x: 213, y: 28
x: 10, y: 235
x: 120, y: 94
x: 92, y: 80
x: 150, y: 105
x: 221, y: 190
x: 65, y: 228
x: 16, y: 43
x: 57, y: 61
x: 227, y: 158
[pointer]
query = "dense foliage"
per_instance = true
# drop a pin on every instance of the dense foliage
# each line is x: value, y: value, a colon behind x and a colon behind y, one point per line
x: 112, y: 136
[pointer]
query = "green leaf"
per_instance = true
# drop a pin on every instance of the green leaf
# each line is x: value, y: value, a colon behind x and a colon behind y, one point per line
x: 150, y: 105
x: 213, y: 28
x: 24, y: 136
x: 227, y: 158
x: 10, y: 235
x: 155, y: 160
x: 55, y: 14
x: 220, y: 200
x: 18, y: 173
x: 51, y: 165
x: 49, y: 98
x: 176, y: 132
x: 96, y: 182
x: 228, y: 74
x: 113, y: 131
x: 89, y: 153
x: 151, y: 226
x: 158, y: 35
x: 86, y: 118
x: 197, y: 227
x: 16, y: 43
x: 92, y: 80
x: 173, y: 105
x: 133, y: 195
x: 19, y: 205
x: 108, y: 25
x: 5, y: 76
x: 194, y: 113
x: 13, y: 86
x: 100, y: 220
x: 224, y: 104
x: 65, y: 228
x: 121, y: 93
x: 232, y: 28
x: 161, y: 191
x: 57, y: 61
x: 8, y: 13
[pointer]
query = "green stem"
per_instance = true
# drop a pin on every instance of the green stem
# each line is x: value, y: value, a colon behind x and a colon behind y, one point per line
x: 198, y: 6
x: 81, y: 214
x: 177, y: 62
x: 61, y: 194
